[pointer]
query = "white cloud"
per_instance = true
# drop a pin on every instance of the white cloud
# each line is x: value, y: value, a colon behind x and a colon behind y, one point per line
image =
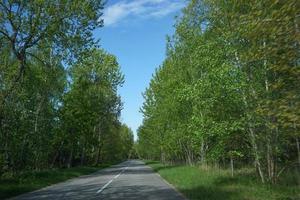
x: 127, y: 9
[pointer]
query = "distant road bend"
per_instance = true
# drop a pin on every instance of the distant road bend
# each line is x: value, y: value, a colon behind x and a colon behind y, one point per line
x: 129, y: 180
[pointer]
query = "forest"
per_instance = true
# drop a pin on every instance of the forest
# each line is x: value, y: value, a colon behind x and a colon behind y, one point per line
x: 59, y: 101
x: 221, y: 114
x: 228, y: 92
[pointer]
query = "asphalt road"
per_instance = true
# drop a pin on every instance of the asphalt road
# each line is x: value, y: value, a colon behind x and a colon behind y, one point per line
x: 129, y: 180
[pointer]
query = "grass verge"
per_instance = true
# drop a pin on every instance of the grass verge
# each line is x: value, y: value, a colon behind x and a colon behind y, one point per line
x: 28, y: 181
x: 215, y: 184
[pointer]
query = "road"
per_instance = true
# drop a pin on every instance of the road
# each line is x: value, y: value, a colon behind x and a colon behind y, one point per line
x: 129, y: 180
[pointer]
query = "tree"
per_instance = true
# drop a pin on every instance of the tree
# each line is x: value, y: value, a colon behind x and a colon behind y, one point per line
x: 92, y: 108
x: 228, y: 88
x: 64, y: 26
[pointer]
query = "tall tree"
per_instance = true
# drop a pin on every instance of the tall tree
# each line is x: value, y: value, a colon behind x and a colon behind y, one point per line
x: 228, y: 89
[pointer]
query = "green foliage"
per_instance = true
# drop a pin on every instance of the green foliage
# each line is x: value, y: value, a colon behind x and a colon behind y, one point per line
x: 92, y: 107
x: 59, y: 102
x: 228, y: 88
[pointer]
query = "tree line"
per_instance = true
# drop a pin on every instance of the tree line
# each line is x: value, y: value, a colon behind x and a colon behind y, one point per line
x: 229, y: 88
x: 59, y: 102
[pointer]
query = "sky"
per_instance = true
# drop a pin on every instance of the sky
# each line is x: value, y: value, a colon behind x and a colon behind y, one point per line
x: 135, y: 32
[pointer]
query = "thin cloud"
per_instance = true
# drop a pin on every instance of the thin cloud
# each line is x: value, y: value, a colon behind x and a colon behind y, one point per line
x: 125, y: 9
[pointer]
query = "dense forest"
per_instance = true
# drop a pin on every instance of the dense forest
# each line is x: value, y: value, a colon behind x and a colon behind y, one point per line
x: 59, y: 101
x: 228, y: 92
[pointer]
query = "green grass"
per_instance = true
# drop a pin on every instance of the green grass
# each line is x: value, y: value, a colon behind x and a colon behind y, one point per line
x: 215, y: 184
x: 28, y: 181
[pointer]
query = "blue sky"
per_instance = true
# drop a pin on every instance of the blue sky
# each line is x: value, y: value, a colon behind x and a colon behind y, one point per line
x: 135, y: 31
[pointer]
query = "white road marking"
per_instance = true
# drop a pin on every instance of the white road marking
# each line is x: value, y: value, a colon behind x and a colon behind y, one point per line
x: 117, y: 175
x: 109, y: 182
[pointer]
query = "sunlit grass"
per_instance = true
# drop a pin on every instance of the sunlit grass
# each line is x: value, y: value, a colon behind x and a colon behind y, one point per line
x: 216, y: 184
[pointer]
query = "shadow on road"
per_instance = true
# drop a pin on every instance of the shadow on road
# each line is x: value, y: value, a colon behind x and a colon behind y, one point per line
x: 129, y: 192
x: 139, y: 192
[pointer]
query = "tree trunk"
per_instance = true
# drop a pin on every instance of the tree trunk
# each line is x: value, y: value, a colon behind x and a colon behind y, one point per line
x: 82, y: 157
x: 69, y: 165
x: 55, y: 156
x: 257, y: 163
x: 162, y: 156
x: 54, y: 159
x: 298, y: 149
x: 98, y: 154
x: 269, y: 131
x: 202, y: 153
x: 4, y: 135
x: 231, y: 165
x: 256, y: 155
x: 99, y: 147
x: 269, y: 159
x: 190, y: 156
x: 36, y: 124
x: 251, y: 131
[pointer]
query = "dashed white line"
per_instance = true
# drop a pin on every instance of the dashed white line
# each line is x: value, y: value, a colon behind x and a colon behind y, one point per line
x: 117, y: 175
x: 109, y: 182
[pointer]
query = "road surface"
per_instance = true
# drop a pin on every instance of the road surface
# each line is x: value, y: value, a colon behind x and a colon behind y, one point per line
x: 129, y: 180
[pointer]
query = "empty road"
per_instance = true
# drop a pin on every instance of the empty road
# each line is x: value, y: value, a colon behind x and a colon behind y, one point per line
x: 129, y: 180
